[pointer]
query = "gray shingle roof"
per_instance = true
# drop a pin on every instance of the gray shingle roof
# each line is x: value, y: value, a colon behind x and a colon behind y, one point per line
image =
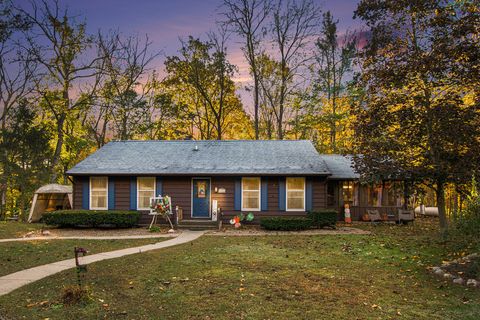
x: 213, y: 157
x: 341, y: 167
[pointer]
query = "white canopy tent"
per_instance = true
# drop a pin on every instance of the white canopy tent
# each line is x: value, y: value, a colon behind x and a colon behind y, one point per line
x: 49, y: 198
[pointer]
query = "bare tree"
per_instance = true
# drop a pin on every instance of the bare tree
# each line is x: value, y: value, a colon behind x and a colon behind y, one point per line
x: 269, y: 78
x: 294, y: 27
x: 121, y: 100
x: 59, y: 45
x: 15, y: 81
x: 16, y: 70
x: 333, y: 61
x: 247, y: 19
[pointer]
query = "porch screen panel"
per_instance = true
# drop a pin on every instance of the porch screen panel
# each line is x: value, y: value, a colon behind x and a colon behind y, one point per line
x: 374, y: 195
x: 349, y: 193
x: 391, y: 194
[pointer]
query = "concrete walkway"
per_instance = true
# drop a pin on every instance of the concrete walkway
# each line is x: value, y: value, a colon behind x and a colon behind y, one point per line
x: 18, y: 279
x: 138, y: 236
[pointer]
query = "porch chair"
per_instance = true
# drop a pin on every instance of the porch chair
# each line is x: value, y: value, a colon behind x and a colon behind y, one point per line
x: 374, y: 215
x: 405, y: 216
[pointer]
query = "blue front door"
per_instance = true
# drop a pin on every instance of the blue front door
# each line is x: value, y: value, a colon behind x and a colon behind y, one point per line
x: 201, y: 198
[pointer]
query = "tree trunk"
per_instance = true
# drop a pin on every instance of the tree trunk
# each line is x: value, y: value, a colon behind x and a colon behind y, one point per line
x: 255, y: 102
x: 442, y: 215
x: 280, y: 121
x: 219, y: 129
x: 58, y: 148
x: 2, y: 203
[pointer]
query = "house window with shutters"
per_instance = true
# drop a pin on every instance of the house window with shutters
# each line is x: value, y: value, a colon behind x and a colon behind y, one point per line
x: 98, y: 193
x: 296, y: 194
x: 251, y: 194
x: 145, y: 191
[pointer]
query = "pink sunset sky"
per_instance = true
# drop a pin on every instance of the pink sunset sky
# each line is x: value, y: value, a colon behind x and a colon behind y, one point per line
x: 166, y: 22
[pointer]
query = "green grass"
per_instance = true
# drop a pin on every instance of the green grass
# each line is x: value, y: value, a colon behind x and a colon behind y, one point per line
x: 378, y: 276
x: 16, y: 256
x: 14, y: 229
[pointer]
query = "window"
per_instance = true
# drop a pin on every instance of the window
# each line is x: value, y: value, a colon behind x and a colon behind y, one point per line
x: 295, y: 194
x: 98, y: 193
x: 251, y: 194
x: 145, y: 191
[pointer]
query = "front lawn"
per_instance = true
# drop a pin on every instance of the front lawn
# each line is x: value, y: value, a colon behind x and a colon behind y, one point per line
x: 16, y: 229
x: 16, y: 256
x: 377, y: 276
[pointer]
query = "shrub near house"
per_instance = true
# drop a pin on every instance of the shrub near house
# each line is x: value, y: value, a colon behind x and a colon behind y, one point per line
x: 323, y: 218
x: 92, y: 218
x: 286, y: 223
x: 318, y: 219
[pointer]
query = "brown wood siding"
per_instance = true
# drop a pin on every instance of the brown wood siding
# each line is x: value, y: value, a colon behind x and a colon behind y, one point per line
x: 225, y: 200
x: 122, y: 193
x: 272, y: 192
x: 77, y: 192
x: 179, y: 189
x: 319, y: 193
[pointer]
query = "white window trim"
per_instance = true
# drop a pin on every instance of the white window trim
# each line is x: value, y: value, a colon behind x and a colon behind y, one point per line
x: 286, y: 194
x: 259, y: 194
x: 138, y: 192
x: 90, y: 195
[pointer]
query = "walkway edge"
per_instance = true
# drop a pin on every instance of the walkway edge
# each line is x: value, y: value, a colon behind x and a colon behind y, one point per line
x: 18, y: 279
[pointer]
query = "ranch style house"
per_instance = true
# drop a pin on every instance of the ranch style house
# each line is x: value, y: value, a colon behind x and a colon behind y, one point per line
x: 268, y: 178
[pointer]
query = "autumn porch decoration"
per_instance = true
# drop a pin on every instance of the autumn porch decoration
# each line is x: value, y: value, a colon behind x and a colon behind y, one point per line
x: 161, y: 206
